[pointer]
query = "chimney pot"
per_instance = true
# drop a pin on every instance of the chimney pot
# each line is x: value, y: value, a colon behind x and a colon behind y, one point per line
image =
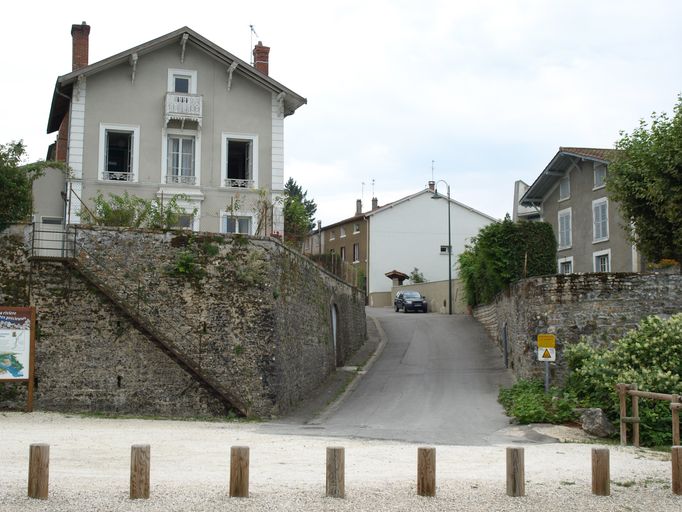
x: 358, y: 207
x: 375, y: 204
x: 261, y: 57
x: 80, y: 35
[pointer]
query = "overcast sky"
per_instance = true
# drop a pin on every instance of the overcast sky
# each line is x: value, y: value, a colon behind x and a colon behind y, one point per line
x: 487, y: 89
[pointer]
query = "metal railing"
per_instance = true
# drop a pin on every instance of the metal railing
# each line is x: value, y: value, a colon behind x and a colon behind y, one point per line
x: 54, y: 242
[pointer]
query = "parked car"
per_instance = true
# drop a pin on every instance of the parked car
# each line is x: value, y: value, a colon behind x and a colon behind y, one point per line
x: 410, y: 301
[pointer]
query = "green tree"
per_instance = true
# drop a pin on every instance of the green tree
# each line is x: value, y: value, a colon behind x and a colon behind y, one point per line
x: 298, y: 213
x: 646, y: 180
x: 16, y: 180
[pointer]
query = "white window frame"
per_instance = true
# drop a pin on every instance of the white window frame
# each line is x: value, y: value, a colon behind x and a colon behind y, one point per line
x: 240, y: 214
x: 332, y: 235
x: 101, y: 164
x: 342, y: 253
x: 567, y: 259
x: 191, y: 73
x: 595, y: 204
x: 356, y: 257
x: 342, y: 232
x: 169, y: 132
x: 187, y: 205
x: 565, y: 179
x: 253, y: 139
x: 356, y: 228
x: 594, y: 173
x: 605, y: 252
x: 561, y: 213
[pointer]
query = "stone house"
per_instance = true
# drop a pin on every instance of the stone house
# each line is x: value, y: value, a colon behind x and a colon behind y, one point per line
x: 400, y: 236
x: 570, y: 193
x: 174, y: 115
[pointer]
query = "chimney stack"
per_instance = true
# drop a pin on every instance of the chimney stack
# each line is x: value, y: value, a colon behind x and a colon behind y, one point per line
x: 358, y: 207
x: 261, y: 56
x: 432, y: 186
x: 375, y: 204
x: 80, y: 35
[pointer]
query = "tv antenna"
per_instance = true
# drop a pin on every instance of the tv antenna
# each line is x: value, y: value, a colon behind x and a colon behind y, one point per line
x: 373, y: 188
x: 253, y: 33
x: 433, y: 165
x: 362, y: 192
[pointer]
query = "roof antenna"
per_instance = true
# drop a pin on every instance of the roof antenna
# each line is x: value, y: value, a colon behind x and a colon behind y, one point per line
x: 373, y: 188
x: 433, y: 162
x: 362, y: 192
x: 253, y: 33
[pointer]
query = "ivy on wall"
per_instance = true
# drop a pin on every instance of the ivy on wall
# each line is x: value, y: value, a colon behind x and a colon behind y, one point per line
x: 503, y: 252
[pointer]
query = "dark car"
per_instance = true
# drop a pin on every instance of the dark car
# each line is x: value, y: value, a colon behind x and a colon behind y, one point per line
x: 410, y: 301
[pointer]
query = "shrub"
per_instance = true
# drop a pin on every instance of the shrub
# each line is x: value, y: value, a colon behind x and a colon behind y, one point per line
x: 505, y: 251
x: 649, y: 356
x: 528, y: 403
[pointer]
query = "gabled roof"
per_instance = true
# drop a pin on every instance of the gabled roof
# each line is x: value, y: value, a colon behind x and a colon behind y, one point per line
x: 64, y: 86
x: 557, y: 168
x: 398, y: 202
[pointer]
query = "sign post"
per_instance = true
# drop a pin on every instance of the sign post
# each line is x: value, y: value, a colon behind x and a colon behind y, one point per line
x: 17, y: 347
x: 546, y: 353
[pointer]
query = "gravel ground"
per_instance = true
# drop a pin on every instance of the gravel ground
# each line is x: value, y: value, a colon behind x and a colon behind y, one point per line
x: 90, y: 461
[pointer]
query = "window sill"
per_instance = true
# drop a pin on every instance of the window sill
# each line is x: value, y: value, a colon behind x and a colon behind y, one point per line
x: 563, y: 199
x: 600, y: 187
x: 600, y: 240
x: 565, y: 248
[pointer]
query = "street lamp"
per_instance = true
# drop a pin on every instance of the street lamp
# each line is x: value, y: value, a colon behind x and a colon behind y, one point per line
x: 436, y: 196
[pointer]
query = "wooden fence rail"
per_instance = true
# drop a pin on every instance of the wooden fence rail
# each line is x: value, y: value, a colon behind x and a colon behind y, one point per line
x: 631, y: 389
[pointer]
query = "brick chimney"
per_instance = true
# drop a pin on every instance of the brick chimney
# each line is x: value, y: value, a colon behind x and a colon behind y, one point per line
x: 261, y: 56
x: 358, y: 207
x: 375, y: 204
x: 80, y: 35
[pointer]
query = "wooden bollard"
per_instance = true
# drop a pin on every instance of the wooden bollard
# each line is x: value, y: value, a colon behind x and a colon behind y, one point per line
x: 336, y: 472
x: 426, y: 471
x: 676, y: 456
x: 38, y: 471
x: 140, y: 463
x: 601, y: 472
x: 516, y: 473
x: 239, y: 472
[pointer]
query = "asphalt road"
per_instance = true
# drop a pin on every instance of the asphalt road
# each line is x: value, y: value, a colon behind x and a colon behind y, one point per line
x: 436, y: 381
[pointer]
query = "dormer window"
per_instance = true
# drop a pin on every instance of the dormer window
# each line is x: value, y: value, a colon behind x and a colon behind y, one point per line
x: 182, y: 81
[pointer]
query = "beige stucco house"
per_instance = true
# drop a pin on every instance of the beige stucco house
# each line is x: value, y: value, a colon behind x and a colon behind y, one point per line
x: 570, y: 193
x: 175, y: 115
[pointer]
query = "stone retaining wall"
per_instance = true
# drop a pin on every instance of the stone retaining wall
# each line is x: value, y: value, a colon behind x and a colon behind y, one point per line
x: 597, y: 307
x: 254, y: 315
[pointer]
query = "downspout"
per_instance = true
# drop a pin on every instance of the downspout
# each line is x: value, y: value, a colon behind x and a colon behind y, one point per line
x: 367, y: 261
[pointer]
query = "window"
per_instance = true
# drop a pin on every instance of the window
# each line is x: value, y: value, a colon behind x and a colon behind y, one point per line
x: 600, y: 219
x: 181, y: 160
x: 566, y: 265
x: 239, y: 160
x: 564, y: 188
x: 356, y: 253
x: 240, y: 225
x: 356, y: 228
x: 444, y: 249
x: 602, y: 261
x: 332, y: 235
x: 599, y: 175
x: 185, y: 221
x: 118, y: 152
x: 182, y: 81
x: 342, y: 231
x: 343, y: 253
x: 565, y: 229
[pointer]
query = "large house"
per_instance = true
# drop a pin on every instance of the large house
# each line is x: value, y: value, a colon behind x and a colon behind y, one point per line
x: 571, y: 195
x: 175, y: 115
x: 396, y: 238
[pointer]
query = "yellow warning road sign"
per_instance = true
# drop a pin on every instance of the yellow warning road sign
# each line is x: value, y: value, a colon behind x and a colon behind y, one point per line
x: 546, y: 341
x: 546, y: 354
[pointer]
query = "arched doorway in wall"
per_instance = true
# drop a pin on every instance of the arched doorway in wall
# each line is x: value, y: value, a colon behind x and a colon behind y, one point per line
x: 335, y: 326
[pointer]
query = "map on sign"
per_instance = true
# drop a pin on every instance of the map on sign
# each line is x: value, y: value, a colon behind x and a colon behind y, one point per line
x: 15, y: 344
x: 546, y: 347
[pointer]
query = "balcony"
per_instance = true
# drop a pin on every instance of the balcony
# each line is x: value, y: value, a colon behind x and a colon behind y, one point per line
x: 180, y: 180
x: 238, y: 183
x: 183, y: 107
x: 118, y: 176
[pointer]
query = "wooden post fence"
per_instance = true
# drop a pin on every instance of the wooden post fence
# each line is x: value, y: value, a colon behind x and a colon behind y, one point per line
x: 516, y: 474
x: 239, y: 472
x: 336, y: 486
x: 426, y: 471
x: 140, y: 462
x: 631, y: 389
x: 601, y: 472
x: 676, y: 457
x: 38, y: 471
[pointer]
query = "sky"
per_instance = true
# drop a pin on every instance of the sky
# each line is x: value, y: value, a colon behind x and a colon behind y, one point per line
x: 475, y: 93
